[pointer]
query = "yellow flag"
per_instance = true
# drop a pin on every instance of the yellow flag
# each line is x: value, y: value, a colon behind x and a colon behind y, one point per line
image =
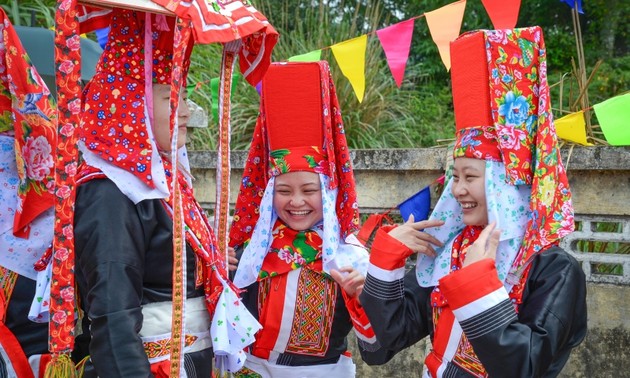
x: 572, y: 128
x: 350, y: 56
x: 444, y: 25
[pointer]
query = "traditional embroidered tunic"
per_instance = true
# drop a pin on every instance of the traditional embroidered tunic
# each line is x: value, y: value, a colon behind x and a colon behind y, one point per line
x: 305, y: 315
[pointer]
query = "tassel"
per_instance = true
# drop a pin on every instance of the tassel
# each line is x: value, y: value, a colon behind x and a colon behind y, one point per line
x: 160, y: 23
x: 60, y: 366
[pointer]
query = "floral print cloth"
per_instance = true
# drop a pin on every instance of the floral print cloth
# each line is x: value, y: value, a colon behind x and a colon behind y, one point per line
x: 28, y: 111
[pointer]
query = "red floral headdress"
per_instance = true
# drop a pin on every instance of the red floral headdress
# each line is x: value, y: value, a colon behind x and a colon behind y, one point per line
x: 503, y: 113
x: 299, y: 129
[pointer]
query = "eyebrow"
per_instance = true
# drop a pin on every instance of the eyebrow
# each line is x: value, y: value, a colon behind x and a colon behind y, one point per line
x: 468, y: 168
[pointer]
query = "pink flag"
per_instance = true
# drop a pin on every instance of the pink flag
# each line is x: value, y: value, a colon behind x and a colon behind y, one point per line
x: 503, y: 13
x: 396, y: 41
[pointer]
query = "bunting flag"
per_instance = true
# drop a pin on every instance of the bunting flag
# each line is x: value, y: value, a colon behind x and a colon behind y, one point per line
x: 417, y: 205
x: 573, y: 4
x: 350, y: 56
x: 444, y: 25
x: 313, y: 56
x: 614, y: 118
x: 572, y: 128
x: 503, y: 13
x: 396, y: 42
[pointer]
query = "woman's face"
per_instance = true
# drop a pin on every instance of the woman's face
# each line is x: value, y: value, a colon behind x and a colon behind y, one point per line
x: 469, y: 190
x: 297, y: 199
x: 161, y: 114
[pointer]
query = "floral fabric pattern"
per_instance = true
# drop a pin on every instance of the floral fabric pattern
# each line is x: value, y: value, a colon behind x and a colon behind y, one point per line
x: 28, y: 112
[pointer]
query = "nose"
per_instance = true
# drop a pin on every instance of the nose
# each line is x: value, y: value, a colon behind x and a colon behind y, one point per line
x: 458, y: 189
x: 183, y: 110
x: 296, y: 201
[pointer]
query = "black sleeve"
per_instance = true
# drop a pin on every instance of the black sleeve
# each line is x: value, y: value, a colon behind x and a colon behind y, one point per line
x: 551, y: 321
x: 110, y: 250
x: 399, y: 314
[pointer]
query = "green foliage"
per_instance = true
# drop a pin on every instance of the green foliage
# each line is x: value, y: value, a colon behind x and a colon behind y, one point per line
x: 31, y: 12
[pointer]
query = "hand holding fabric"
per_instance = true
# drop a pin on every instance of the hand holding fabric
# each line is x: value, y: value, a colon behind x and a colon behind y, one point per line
x: 485, y: 246
x: 350, y: 280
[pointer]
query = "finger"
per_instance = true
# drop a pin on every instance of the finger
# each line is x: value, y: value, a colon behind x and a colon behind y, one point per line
x: 427, y: 224
x: 232, y: 260
x: 410, y: 219
x: 493, y: 242
x: 337, y: 276
x: 485, y: 233
x: 429, y: 239
x: 345, y: 269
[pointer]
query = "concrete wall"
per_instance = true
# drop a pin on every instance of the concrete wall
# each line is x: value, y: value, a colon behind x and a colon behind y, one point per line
x: 600, y: 183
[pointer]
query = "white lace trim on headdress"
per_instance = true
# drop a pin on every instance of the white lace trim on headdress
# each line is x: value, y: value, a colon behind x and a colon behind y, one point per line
x: 507, y: 204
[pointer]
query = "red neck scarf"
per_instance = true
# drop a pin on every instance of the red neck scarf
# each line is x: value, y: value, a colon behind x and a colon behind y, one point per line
x: 291, y: 249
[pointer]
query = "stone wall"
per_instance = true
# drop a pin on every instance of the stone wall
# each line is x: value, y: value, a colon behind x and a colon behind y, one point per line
x: 600, y: 183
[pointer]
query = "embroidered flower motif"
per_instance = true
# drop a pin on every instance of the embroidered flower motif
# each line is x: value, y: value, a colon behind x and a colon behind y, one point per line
x: 514, y: 109
x: 37, y: 155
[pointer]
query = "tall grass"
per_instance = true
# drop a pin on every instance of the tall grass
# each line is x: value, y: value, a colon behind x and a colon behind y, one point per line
x: 31, y: 12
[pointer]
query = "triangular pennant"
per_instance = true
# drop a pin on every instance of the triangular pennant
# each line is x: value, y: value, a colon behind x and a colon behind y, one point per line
x: 613, y: 116
x: 419, y: 205
x: 573, y: 4
x: 444, y: 25
x: 503, y: 13
x: 396, y: 41
x: 313, y: 56
x: 572, y: 128
x: 350, y: 56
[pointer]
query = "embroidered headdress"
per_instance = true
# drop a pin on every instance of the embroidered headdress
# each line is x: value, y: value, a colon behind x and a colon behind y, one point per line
x: 299, y: 129
x: 503, y: 115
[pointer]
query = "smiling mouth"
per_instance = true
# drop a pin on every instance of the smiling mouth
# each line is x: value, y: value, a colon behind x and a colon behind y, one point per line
x: 468, y: 205
x: 299, y: 213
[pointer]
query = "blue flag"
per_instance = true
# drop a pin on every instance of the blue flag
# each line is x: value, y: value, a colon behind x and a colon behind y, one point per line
x: 419, y: 205
x: 572, y: 3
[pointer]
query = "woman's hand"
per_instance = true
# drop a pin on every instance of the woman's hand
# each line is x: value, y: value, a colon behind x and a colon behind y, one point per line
x: 350, y: 280
x: 485, y: 247
x: 410, y: 233
x: 232, y: 260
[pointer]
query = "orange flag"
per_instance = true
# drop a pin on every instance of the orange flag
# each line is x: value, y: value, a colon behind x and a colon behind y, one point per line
x: 503, y: 13
x: 350, y: 56
x: 444, y: 25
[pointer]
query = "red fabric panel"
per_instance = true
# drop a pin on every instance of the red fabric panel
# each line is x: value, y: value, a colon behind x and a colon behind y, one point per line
x: 387, y: 252
x: 470, y: 81
x: 271, y: 317
x: 14, y: 351
x: 470, y: 283
x: 293, y: 105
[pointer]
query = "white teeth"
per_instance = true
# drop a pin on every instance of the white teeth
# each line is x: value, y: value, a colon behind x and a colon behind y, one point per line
x: 468, y: 205
x: 304, y: 212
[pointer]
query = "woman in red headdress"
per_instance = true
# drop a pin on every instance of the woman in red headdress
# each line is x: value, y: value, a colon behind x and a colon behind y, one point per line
x: 491, y: 287
x: 144, y: 295
x: 298, y: 259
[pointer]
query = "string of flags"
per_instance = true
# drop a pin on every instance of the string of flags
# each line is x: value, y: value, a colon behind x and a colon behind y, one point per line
x: 444, y: 26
